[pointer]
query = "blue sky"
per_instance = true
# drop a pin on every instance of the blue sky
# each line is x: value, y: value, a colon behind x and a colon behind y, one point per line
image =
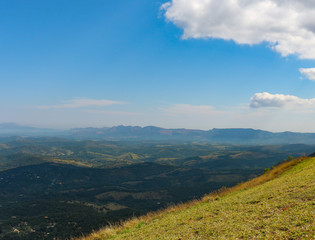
x: 171, y: 64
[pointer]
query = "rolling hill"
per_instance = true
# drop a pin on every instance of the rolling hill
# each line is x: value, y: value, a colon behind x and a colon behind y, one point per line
x: 277, y: 205
x: 57, y: 188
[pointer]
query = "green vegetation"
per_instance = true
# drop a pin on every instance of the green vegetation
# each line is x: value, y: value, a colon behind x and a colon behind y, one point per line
x: 17, y: 152
x: 277, y: 205
x: 60, y: 188
x: 77, y: 200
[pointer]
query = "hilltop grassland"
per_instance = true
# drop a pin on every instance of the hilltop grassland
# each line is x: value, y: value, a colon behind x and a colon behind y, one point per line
x: 277, y: 205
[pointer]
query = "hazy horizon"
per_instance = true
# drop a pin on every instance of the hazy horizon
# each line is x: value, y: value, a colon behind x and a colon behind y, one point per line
x: 144, y: 126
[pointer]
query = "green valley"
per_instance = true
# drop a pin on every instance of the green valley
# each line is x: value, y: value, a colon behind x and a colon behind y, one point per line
x: 61, y: 188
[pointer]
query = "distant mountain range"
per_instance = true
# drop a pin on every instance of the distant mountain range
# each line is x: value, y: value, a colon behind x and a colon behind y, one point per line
x: 13, y: 129
x: 228, y: 135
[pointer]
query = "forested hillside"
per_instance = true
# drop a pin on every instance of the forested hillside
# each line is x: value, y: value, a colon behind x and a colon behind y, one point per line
x: 277, y: 205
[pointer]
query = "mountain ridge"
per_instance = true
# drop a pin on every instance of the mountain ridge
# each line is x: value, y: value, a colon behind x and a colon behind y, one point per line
x: 153, y: 133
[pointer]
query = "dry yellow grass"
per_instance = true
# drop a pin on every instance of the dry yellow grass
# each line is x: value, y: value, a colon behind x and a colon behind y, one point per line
x: 269, y: 175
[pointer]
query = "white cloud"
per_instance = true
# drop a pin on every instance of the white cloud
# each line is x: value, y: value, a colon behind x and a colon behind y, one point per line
x: 308, y: 72
x: 261, y: 100
x: 82, y: 102
x: 287, y: 25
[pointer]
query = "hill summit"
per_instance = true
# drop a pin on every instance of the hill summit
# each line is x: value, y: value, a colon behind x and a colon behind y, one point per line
x: 277, y: 205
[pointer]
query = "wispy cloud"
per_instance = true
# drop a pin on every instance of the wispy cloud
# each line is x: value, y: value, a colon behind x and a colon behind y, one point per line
x: 288, y: 26
x: 263, y: 100
x: 191, y: 110
x: 308, y: 72
x: 81, y: 103
x: 117, y: 113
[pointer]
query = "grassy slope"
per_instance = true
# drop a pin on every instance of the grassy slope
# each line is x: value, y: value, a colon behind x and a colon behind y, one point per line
x: 268, y: 207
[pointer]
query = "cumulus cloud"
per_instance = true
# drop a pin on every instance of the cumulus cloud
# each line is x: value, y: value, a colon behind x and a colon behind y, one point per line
x: 82, y: 102
x: 308, y: 72
x: 287, y: 25
x: 261, y: 100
